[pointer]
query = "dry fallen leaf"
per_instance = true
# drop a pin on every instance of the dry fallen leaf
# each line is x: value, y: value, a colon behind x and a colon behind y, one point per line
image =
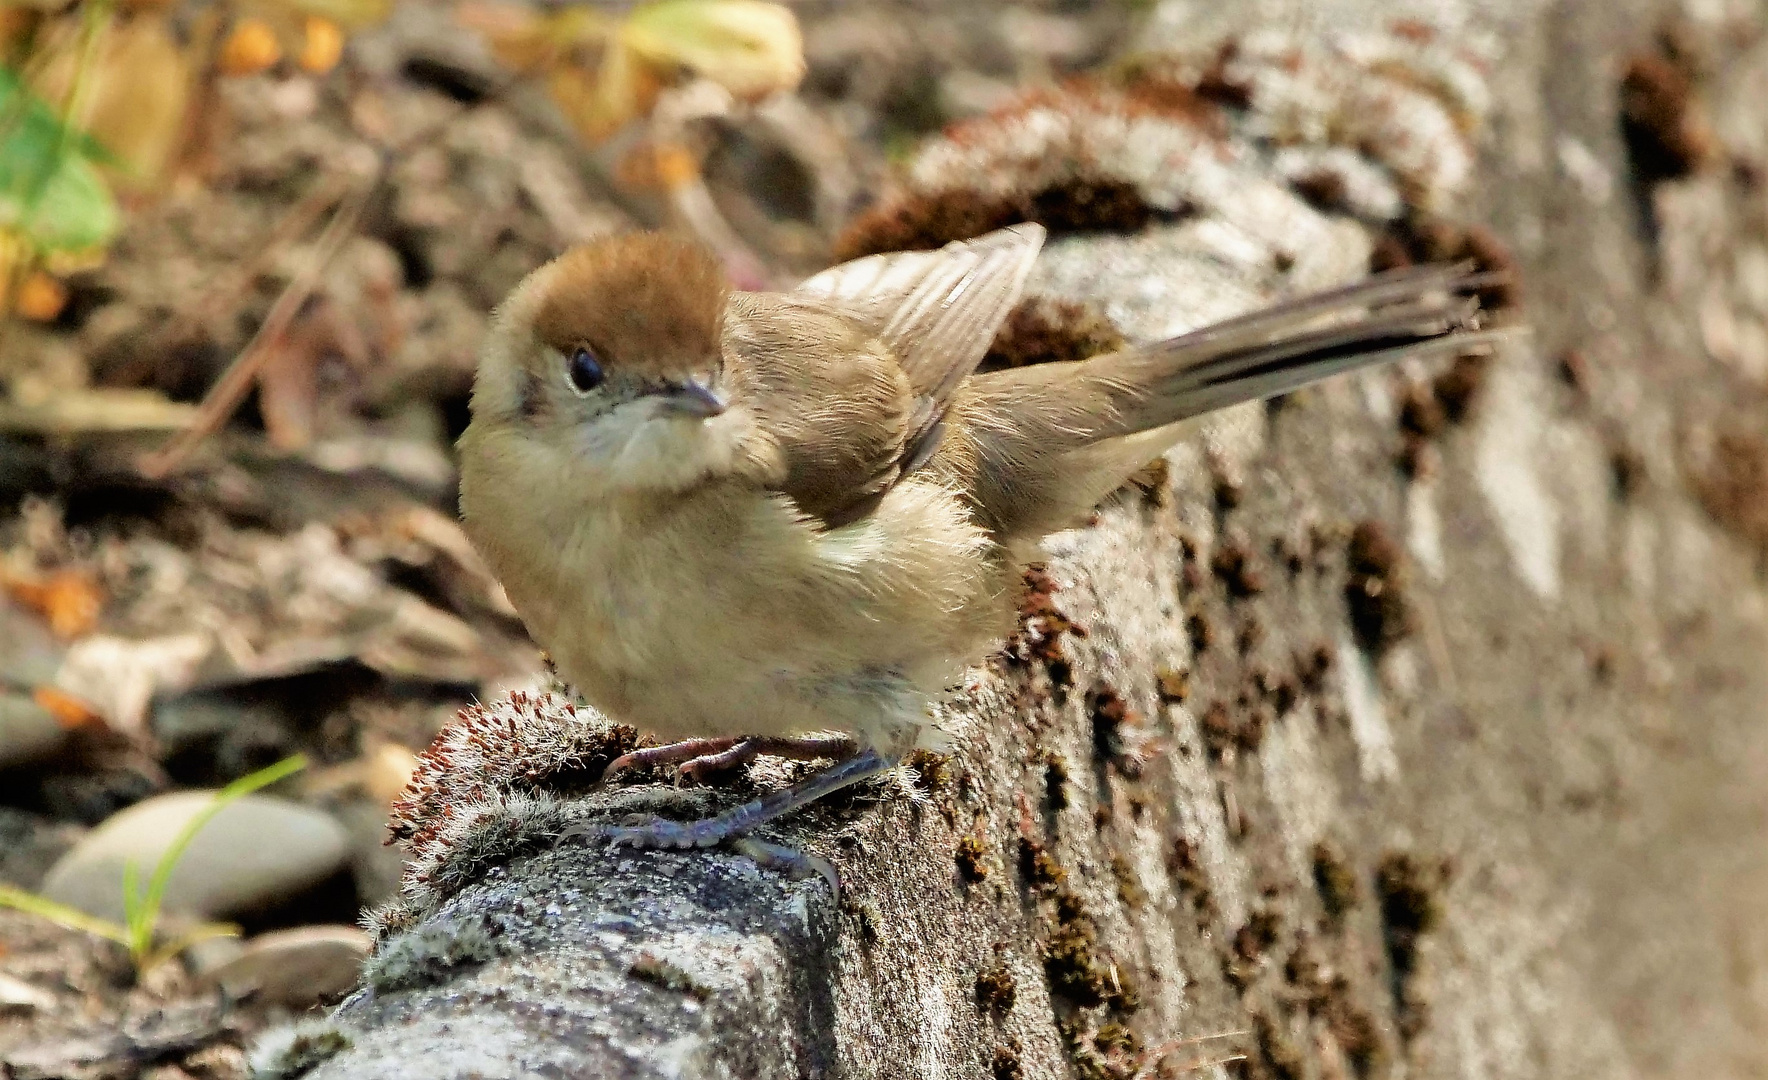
x: 137, y: 91
x: 40, y: 297
x: 250, y: 47
x: 749, y: 47
x: 71, y: 712
x: 604, y: 73
x: 68, y: 600
x: 322, y: 45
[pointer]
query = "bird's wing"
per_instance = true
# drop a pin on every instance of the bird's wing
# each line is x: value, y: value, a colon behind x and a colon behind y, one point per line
x: 879, y: 345
x: 937, y: 311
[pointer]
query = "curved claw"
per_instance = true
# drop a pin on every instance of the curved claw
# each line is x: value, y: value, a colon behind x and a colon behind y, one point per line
x: 591, y: 829
x: 797, y: 864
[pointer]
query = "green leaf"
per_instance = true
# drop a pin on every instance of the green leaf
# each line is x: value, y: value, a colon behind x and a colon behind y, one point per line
x: 50, y: 191
x: 61, y: 914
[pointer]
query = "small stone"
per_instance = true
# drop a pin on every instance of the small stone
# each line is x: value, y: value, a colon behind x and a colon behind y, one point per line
x: 256, y: 850
x: 27, y: 730
x: 296, y: 967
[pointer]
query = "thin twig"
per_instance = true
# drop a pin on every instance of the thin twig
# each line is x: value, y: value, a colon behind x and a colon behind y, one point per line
x: 231, y: 388
x: 227, y: 287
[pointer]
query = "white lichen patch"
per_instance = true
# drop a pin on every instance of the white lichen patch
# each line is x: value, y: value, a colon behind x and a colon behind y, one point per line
x: 1376, y: 759
x: 936, y: 1030
x: 1507, y: 465
x: 1046, y: 144
x: 1424, y: 527
x: 1412, y: 97
x: 1202, y: 821
x: 1300, y: 787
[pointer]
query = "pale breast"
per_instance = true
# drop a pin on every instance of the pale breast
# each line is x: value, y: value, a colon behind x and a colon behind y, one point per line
x: 724, y: 613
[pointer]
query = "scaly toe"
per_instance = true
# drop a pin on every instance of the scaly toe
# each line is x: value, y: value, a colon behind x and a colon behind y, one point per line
x: 662, y: 834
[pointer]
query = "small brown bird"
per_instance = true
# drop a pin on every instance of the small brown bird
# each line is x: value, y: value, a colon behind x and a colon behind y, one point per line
x: 782, y: 523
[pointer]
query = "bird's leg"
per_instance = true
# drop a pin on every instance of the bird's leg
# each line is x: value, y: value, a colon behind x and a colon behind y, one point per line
x: 797, y: 748
x: 741, y: 819
x: 702, y: 757
x: 686, y: 750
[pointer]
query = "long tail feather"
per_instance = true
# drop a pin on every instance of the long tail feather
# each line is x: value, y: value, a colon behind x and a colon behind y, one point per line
x: 1051, y: 439
x: 1411, y: 312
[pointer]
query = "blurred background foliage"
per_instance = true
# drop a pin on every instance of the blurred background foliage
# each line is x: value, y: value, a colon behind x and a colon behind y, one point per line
x: 103, y: 98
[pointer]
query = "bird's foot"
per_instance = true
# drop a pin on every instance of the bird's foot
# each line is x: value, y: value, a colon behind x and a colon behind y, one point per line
x: 739, y: 820
x: 700, y: 758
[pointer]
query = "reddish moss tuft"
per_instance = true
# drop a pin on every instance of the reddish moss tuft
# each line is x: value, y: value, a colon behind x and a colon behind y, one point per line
x: 1173, y: 685
x: 1041, y: 626
x: 1426, y: 238
x: 1666, y: 136
x: 1457, y: 387
x: 1335, y: 880
x: 1218, y: 86
x: 996, y: 990
x: 1410, y: 893
x: 1041, y: 330
x: 1236, y: 565
x: 923, y: 221
x: 1038, y: 867
x: 1733, y: 486
x: 1375, y: 591
x: 529, y: 742
x: 972, y: 858
x: 1110, y: 715
x: 1075, y: 963
x: 918, y: 221
x: 1170, y: 96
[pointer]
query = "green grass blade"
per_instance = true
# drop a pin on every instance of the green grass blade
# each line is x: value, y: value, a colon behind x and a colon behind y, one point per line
x: 140, y: 930
x: 200, y: 932
x: 245, y: 785
x: 62, y: 914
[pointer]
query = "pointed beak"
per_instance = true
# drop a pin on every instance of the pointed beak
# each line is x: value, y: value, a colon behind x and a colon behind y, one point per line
x: 692, y: 398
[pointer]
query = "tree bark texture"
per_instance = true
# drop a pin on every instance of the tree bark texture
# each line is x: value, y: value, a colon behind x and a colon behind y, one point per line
x: 1411, y: 727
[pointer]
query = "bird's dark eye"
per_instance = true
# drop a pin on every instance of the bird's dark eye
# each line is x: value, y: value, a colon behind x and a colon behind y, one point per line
x: 585, y: 371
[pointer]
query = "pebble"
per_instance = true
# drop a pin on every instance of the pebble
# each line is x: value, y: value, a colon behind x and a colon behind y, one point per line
x: 296, y: 967
x: 27, y: 732
x: 256, y: 850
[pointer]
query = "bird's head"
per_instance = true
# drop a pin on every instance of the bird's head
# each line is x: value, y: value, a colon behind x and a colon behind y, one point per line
x: 611, y: 355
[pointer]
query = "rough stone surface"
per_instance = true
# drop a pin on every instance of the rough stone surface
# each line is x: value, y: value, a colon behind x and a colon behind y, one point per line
x: 27, y: 731
x: 257, y: 850
x: 1521, y: 840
